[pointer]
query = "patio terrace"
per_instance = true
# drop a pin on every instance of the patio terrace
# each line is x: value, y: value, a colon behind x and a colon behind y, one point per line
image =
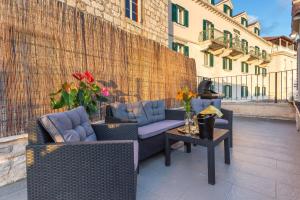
x: 265, y: 165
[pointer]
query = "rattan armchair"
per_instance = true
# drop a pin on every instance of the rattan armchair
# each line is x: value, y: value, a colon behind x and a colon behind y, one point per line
x: 87, y: 170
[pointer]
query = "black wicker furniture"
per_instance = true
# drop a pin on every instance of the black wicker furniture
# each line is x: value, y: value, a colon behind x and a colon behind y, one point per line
x: 219, y: 136
x: 80, y: 167
x: 152, y: 120
x: 226, y: 122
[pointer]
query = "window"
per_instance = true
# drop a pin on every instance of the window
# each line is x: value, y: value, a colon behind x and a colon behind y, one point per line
x: 257, y: 70
x: 208, y: 59
x: 227, y: 10
x: 228, y: 38
x: 264, y: 71
x: 264, y: 91
x: 180, y: 15
x: 244, y: 91
x: 132, y: 9
x: 257, y: 91
x: 245, y: 67
x: 244, y: 21
x: 257, y: 50
x: 208, y: 30
x: 212, y: 2
x: 264, y: 54
x: 256, y: 31
x: 227, y: 90
x: 245, y: 46
x: 181, y: 48
x: 227, y: 64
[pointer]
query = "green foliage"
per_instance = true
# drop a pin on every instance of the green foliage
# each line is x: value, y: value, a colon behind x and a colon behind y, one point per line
x: 86, y: 94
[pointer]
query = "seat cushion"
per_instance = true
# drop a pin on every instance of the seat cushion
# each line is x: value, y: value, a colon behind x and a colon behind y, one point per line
x: 136, y: 153
x: 155, y: 110
x: 199, y: 105
x: 221, y: 122
x: 69, y: 126
x: 130, y: 111
x: 157, y: 128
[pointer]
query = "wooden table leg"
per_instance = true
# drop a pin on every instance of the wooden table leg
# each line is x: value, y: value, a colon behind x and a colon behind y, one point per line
x: 188, y: 147
x: 227, y: 151
x: 211, y: 164
x: 167, y: 152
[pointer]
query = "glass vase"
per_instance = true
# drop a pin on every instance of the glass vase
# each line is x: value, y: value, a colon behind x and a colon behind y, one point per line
x: 188, y: 122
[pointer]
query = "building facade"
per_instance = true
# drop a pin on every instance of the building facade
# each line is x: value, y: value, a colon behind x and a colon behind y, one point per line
x: 229, y: 48
x: 148, y: 18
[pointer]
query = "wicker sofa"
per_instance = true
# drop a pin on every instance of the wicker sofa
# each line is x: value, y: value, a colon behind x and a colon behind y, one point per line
x: 151, y: 118
x: 70, y: 159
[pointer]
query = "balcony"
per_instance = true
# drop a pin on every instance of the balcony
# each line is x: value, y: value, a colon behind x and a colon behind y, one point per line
x: 212, y: 40
x: 266, y: 59
x: 254, y: 56
x: 236, y: 49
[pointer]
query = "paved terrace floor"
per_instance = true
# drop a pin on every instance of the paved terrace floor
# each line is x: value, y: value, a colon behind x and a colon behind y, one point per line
x: 265, y: 166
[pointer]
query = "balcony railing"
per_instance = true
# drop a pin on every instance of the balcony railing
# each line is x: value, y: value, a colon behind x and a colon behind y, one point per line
x: 212, y: 34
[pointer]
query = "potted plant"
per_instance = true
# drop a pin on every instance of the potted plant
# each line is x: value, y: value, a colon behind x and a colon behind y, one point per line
x: 185, y: 96
x: 84, y: 93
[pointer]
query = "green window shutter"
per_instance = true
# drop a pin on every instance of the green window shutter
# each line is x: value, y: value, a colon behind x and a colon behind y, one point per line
x: 246, y: 91
x: 205, y: 35
x: 174, y: 13
x: 242, y: 91
x: 186, y: 18
x: 224, y: 63
x: 212, y: 31
x: 230, y: 12
x: 230, y: 91
x: 242, y: 65
x: 230, y: 64
x: 225, y: 8
x: 211, y: 59
x: 212, y: 2
x: 247, y: 68
x: 174, y: 46
x: 186, y: 51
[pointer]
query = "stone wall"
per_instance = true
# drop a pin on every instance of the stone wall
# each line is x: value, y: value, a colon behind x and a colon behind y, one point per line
x: 153, y: 22
x: 12, y: 159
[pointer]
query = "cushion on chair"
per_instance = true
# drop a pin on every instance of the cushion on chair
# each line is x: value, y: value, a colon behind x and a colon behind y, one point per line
x: 130, y: 111
x: 136, y: 153
x: 221, y: 122
x: 199, y: 105
x: 157, y: 128
x: 69, y: 126
x: 155, y: 110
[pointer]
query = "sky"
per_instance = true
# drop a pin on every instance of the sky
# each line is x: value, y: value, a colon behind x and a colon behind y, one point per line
x: 274, y: 15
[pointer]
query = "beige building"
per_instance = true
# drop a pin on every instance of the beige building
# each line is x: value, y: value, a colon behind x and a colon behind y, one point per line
x: 148, y: 18
x: 229, y: 46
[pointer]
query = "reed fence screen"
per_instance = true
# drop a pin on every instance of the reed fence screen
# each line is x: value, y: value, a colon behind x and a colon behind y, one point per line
x: 42, y: 42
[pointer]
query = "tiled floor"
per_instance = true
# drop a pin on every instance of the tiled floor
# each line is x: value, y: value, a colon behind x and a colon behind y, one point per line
x: 265, y: 165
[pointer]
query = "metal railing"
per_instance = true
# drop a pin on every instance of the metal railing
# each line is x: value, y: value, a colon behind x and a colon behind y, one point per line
x: 270, y: 87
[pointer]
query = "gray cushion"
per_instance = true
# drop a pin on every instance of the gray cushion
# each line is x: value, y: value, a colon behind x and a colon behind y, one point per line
x: 199, y: 105
x: 157, y: 128
x: 221, y: 122
x: 69, y: 126
x: 130, y: 111
x: 155, y: 110
x: 136, y: 153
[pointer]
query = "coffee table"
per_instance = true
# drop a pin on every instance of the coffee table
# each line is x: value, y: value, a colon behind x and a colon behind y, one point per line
x: 219, y: 136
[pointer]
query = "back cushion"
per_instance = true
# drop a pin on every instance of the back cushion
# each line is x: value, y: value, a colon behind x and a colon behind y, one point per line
x: 155, y: 110
x: 69, y: 126
x: 130, y: 111
x: 199, y: 105
x: 217, y: 103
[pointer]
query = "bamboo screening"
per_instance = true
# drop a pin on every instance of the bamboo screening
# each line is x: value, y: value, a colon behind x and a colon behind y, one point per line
x: 42, y: 42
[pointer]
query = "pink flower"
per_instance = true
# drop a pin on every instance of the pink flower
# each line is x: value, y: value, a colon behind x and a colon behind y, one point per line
x: 105, y: 92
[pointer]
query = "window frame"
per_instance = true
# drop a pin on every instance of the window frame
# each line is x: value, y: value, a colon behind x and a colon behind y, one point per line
x: 227, y: 88
x: 208, y: 59
x: 137, y: 17
x: 245, y: 47
x: 257, y: 91
x: 244, y: 91
x: 244, y: 21
x: 257, y: 70
x: 180, y: 15
x: 181, y: 48
x: 257, y: 31
x: 244, y: 67
x: 227, y: 64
